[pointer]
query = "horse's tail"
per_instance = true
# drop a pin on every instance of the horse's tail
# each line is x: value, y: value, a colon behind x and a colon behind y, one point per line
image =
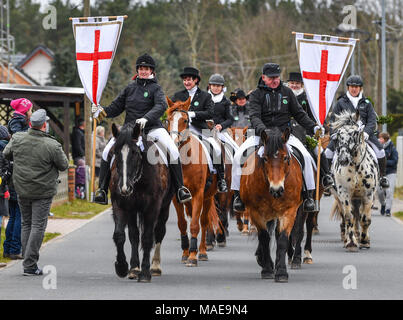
x: 335, y: 211
x: 213, y: 218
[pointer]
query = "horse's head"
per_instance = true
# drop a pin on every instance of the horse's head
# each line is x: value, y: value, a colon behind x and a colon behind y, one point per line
x: 178, y: 120
x: 128, y: 157
x: 276, y: 159
x: 349, y: 137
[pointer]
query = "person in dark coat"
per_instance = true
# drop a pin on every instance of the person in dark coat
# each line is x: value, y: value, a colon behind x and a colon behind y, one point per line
x: 352, y: 101
x: 272, y: 105
x: 240, y: 109
x: 201, y: 109
x: 78, y: 141
x: 144, y: 103
x: 80, y: 179
x: 20, y: 118
x: 392, y: 157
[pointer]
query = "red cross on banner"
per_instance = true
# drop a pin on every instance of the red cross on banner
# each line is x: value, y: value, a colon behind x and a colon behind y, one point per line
x: 95, y: 57
x: 323, y: 78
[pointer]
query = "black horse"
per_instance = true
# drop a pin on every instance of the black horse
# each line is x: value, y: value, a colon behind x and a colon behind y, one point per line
x: 141, y: 194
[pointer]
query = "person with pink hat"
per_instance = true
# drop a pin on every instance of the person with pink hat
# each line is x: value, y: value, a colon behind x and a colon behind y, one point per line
x: 21, y: 116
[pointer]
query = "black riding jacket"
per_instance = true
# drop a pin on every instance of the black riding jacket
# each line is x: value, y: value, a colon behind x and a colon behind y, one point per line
x: 275, y: 107
x: 142, y: 98
x: 201, y: 104
x: 222, y: 113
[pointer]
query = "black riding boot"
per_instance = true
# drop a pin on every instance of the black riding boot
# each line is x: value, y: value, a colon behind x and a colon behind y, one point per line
x: 384, y: 182
x: 238, y: 204
x: 221, y: 183
x: 182, y: 193
x: 101, y: 196
x: 309, y: 203
x: 327, y: 179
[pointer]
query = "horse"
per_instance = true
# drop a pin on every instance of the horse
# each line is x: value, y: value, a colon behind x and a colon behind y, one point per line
x: 271, y: 186
x: 356, y: 176
x: 141, y: 193
x: 310, y: 220
x: 198, y: 179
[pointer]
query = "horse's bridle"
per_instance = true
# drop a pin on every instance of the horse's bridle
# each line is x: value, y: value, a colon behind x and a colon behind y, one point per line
x: 184, y: 135
x: 266, y: 178
x: 356, y: 146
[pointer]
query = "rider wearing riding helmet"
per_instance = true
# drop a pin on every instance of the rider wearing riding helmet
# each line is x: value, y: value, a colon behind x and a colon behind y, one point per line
x: 144, y: 103
x: 200, y: 110
x: 352, y: 101
x: 272, y: 104
x: 223, y: 118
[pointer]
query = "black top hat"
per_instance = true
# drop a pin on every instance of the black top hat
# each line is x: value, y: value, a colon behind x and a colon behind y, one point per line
x: 271, y: 70
x: 190, y: 71
x: 295, y: 76
x: 238, y: 94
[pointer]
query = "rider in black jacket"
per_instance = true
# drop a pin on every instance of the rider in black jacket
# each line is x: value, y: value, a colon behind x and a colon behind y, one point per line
x: 144, y: 103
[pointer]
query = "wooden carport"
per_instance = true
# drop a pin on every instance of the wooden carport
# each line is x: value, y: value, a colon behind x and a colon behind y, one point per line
x: 45, y: 97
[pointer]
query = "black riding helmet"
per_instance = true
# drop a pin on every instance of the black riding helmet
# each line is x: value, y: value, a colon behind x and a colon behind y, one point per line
x: 145, y: 60
x: 354, y: 80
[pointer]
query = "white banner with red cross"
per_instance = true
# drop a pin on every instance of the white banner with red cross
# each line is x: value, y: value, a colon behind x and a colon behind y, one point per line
x: 96, y: 43
x: 323, y: 61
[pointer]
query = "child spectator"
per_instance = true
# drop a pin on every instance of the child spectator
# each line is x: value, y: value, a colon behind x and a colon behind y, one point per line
x: 80, y: 179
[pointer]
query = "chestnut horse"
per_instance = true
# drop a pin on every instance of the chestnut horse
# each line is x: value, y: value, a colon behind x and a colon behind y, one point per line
x: 271, y: 186
x: 201, y: 209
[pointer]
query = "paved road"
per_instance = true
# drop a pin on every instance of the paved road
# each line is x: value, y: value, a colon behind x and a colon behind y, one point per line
x: 84, y: 261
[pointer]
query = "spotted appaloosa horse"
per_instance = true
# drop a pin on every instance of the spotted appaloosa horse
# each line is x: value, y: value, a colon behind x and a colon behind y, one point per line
x: 271, y: 187
x: 141, y: 193
x: 356, y: 177
x: 201, y: 209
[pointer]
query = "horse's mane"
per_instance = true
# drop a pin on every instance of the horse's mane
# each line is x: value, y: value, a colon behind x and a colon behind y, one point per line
x: 125, y: 135
x: 343, y: 119
x: 274, y: 143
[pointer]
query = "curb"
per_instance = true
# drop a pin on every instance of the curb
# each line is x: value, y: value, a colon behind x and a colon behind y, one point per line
x: 12, y: 262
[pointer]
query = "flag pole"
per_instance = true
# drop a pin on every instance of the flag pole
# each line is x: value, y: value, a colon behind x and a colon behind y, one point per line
x: 94, y: 146
x: 317, y: 208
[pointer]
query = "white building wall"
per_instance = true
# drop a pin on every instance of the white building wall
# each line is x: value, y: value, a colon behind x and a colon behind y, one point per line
x: 39, y: 68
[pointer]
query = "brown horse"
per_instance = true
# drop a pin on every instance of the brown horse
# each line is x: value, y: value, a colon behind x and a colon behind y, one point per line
x: 272, y: 191
x: 201, y: 208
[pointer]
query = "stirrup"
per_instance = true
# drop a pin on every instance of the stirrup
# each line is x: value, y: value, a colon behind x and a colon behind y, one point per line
x: 308, y: 207
x: 238, y: 205
x: 222, y: 186
x: 187, y: 195
x: 384, y: 182
x: 329, y: 185
x: 101, y: 197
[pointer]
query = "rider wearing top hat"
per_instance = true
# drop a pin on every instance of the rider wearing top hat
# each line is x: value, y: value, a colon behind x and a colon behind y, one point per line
x: 272, y: 105
x: 201, y: 109
x: 144, y: 103
x: 239, y: 108
x: 354, y: 100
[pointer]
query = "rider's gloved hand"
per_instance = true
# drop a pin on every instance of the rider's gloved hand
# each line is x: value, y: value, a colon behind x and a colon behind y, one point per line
x: 98, y: 112
x: 192, y: 114
x: 366, y: 136
x: 322, y: 130
x: 142, y: 122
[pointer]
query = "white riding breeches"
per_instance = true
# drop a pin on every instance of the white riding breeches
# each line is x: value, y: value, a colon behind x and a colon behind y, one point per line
x: 227, y: 139
x: 164, y: 140
x: 308, y: 172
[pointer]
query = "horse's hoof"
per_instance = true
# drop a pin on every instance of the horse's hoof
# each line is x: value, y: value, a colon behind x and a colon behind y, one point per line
x: 281, y: 278
x: 209, y: 247
x: 184, y: 259
x: 296, y: 265
x: 365, y: 245
x: 156, y: 272
x: 267, y: 274
x: 308, y: 261
x: 133, y: 273
x: 203, y: 257
x: 315, y: 231
x: 352, y: 248
x: 144, y: 277
x: 222, y: 244
x: 191, y: 263
x: 121, y: 269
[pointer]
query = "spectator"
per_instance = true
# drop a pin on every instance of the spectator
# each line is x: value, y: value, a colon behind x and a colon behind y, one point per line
x: 5, y: 174
x: 35, y: 177
x: 20, y: 119
x: 78, y: 141
x: 80, y: 179
x: 100, y: 146
x: 386, y: 195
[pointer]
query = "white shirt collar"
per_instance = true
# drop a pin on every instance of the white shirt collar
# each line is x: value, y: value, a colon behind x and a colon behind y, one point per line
x: 192, y: 92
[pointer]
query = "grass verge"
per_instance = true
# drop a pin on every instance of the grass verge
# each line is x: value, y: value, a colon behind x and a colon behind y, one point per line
x: 399, y: 215
x: 399, y: 193
x: 77, y: 209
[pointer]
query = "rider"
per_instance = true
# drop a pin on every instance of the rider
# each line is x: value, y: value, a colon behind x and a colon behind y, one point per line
x: 201, y: 109
x: 272, y: 105
x: 222, y: 109
x: 240, y: 109
x: 354, y: 100
x: 295, y: 83
x: 144, y: 103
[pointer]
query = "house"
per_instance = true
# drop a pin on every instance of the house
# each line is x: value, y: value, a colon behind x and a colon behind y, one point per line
x: 14, y: 75
x: 37, y: 64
